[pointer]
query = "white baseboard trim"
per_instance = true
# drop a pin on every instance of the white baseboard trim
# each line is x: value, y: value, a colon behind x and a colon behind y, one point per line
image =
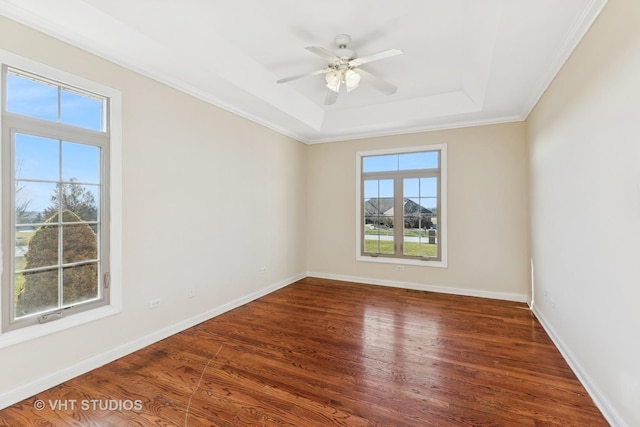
x: 31, y: 389
x: 506, y: 296
x: 594, y: 392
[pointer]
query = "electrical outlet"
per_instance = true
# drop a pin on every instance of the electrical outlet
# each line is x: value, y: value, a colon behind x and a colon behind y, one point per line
x: 154, y: 303
x: 191, y: 292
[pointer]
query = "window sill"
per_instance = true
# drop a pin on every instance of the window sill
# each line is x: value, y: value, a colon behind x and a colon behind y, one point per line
x: 402, y: 261
x: 18, y: 336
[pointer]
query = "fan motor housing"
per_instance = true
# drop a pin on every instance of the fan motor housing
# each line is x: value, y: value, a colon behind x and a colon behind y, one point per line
x: 342, y: 41
x: 345, y: 54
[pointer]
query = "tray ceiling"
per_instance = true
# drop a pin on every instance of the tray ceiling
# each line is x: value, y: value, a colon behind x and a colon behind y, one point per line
x: 465, y: 62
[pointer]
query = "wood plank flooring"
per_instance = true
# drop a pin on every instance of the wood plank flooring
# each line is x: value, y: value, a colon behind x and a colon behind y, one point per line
x: 330, y: 353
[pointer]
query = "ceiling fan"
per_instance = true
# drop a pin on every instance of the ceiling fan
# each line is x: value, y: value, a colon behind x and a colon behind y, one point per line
x: 344, y: 69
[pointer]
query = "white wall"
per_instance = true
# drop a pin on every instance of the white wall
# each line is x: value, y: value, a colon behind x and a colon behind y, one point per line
x: 209, y: 199
x: 487, y: 213
x: 584, y: 138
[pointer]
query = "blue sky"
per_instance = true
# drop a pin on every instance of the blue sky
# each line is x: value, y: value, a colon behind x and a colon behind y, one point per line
x: 41, y: 162
x: 423, y: 191
x: 36, y: 99
x: 400, y: 162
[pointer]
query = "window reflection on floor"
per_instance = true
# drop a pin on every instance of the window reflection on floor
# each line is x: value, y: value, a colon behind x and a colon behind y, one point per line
x: 395, y: 339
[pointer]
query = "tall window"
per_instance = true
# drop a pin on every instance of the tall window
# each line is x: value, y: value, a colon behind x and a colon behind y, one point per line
x: 55, y: 199
x: 401, y: 209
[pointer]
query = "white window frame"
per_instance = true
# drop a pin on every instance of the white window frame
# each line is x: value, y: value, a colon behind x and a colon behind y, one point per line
x: 442, y: 208
x: 114, y: 204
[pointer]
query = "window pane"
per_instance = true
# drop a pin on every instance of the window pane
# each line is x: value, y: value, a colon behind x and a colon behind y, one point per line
x: 80, y: 202
x: 81, y: 110
x: 80, y: 283
x: 378, y: 216
x: 42, y: 249
x: 23, y: 236
x: 413, y: 209
x: 430, y: 203
x: 378, y: 196
x: 39, y: 292
x: 373, y: 208
x: 419, y: 239
x: 378, y: 237
x: 371, y: 189
x: 424, y: 160
x: 31, y: 98
x: 429, y: 187
x: 418, y: 233
x: 380, y: 163
x: 411, y: 187
x: 36, y: 202
x: 80, y: 162
x: 386, y: 188
x: 79, y: 243
x: 423, y: 244
x: 37, y: 158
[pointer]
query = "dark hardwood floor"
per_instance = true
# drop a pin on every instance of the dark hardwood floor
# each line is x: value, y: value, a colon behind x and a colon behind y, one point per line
x: 329, y: 353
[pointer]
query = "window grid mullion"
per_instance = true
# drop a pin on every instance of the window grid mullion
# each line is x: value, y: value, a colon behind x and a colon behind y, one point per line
x: 378, y: 218
x: 51, y: 129
x: 59, y: 104
x: 60, y: 219
x: 398, y: 216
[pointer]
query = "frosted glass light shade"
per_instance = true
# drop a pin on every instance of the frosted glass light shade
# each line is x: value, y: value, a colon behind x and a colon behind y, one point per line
x: 351, y: 80
x: 333, y: 80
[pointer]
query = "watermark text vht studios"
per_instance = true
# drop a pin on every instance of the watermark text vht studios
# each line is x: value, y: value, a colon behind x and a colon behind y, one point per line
x: 88, y: 405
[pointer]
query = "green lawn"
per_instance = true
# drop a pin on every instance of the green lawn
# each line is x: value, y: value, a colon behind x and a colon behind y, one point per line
x: 22, y: 239
x: 20, y: 263
x: 379, y: 231
x: 389, y: 232
x: 410, y: 248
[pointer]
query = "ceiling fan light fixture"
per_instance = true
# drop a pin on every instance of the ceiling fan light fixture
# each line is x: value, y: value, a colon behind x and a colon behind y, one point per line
x: 333, y: 79
x: 351, y: 80
x: 343, y: 69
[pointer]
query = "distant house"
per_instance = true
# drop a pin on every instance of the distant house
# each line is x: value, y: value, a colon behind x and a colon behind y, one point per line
x: 379, y: 212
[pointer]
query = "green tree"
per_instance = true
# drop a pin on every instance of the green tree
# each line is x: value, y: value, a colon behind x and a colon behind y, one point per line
x: 80, y: 282
x: 74, y: 197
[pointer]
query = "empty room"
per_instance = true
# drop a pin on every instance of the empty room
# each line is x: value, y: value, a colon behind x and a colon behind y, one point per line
x: 363, y: 213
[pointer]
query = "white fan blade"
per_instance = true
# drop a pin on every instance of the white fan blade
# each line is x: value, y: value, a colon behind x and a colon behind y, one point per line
x: 374, y: 57
x: 382, y: 85
x: 331, y: 98
x: 300, y: 76
x: 324, y: 53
